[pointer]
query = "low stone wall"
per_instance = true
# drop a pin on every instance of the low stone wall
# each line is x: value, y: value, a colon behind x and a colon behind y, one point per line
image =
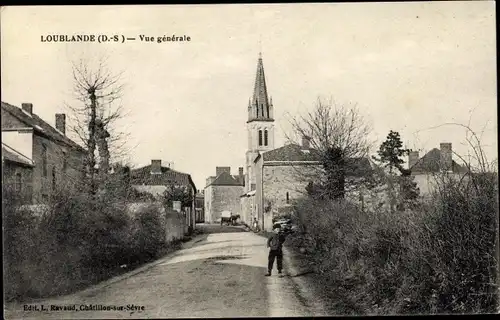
x: 175, y: 226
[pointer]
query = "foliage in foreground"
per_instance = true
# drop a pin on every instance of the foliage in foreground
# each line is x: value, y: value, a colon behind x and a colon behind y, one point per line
x: 76, y: 242
x: 438, y: 257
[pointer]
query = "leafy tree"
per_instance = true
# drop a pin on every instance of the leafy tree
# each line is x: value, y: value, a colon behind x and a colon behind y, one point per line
x: 391, y: 151
x: 390, y: 155
x: 177, y: 193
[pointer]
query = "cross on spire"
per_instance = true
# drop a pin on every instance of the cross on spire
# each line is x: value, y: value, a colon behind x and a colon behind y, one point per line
x: 260, y: 46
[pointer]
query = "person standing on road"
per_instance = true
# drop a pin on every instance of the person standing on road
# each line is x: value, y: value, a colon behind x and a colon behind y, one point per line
x: 275, y: 245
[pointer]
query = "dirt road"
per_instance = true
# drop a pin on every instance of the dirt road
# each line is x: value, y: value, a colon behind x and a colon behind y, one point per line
x: 221, y: 275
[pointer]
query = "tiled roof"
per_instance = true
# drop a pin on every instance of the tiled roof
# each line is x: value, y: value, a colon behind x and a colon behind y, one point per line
x: 40, y: 126
x: 291, y: 152
x: 430, y: 162
x: 240, y: 179
x: 143, y: 176
x: 295, y: 153
x: 12, y: 155
x: 357, y: 167
x: 225, y: 179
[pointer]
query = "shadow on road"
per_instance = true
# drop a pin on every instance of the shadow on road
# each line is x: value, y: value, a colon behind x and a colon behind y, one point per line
x: 226, y: 258
x: 217, y: 228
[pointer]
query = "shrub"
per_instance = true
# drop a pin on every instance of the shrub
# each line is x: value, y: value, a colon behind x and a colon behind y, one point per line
x: 83, y: 240
x: 463, y: 242
x: 20, y: 237
x: 437, y: 258
x: 149, y: 237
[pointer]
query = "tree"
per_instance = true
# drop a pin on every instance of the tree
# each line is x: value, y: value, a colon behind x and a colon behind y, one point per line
x: 97, y: 90
x: 177, y: 193
x: 390, y: 155
x: 339, y: 138
x: 391, y: 151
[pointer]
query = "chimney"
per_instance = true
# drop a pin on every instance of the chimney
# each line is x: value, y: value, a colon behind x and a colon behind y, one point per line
x: 155, y: 166
x: 240, y: 175
x: 219, y: 170
x: 445, y: 156
x: 28, y: 107
x: 61, y: 122
x: 412, y: 159
x: 306, y: 142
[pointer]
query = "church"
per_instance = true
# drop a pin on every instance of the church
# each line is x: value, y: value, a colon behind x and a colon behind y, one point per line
x: 271, y: 180
x: 273, y: 177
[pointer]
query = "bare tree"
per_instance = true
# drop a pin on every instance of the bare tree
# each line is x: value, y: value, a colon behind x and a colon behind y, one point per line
x: 339, y: 138
x: 97, y: 91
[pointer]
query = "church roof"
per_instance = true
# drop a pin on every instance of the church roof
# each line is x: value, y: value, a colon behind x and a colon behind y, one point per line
x: 225, y: 179
x: 430, y: 162
x: 291, y: 152
x: 259, y: 106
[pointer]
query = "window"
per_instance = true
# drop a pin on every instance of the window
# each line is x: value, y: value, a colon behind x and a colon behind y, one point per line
x: 53, y: 178
x: 44, y: 160
x: 18, y: 183
x: 262, y: 109
x: 268, y: 111
x: 287, y: 197
x: 260, y: 137
x: 65, y: 161
x: 265, y: 137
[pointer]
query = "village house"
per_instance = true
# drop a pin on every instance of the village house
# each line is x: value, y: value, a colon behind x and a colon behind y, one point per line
x: 38, y: 159
x: 440, y: 160
x: 222, y: 193
x: 199, y: 206
x: 155, y: 179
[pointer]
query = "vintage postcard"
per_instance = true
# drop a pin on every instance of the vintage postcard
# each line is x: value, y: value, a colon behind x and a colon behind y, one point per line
x: 249, y: 160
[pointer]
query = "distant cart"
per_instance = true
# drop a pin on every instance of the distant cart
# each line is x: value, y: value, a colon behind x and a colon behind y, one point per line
x: 228, y: 218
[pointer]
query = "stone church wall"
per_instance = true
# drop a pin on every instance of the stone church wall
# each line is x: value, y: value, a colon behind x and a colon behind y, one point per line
x: 280, y: 180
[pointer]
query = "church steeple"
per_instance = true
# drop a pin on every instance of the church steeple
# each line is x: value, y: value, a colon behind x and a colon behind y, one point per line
x: 261, y: 107
x: 260, y: 124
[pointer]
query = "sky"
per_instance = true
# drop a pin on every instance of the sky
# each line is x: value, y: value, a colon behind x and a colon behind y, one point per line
x: 409, y: 67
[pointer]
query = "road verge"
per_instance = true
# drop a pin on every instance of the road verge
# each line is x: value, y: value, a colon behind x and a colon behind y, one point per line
x: 299, y: 270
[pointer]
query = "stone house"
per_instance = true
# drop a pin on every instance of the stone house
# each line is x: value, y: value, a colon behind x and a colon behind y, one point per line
x: 57, y: 161
x: 436, y: 161
x: 283, y: 174
x: 155, y: 179
x: 222, y: 192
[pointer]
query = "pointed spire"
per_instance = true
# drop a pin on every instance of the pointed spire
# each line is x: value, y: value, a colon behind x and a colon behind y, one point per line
x: 260, y: 96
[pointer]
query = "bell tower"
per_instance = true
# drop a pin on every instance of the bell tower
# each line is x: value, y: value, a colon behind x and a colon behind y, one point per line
x: 260, y: 124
